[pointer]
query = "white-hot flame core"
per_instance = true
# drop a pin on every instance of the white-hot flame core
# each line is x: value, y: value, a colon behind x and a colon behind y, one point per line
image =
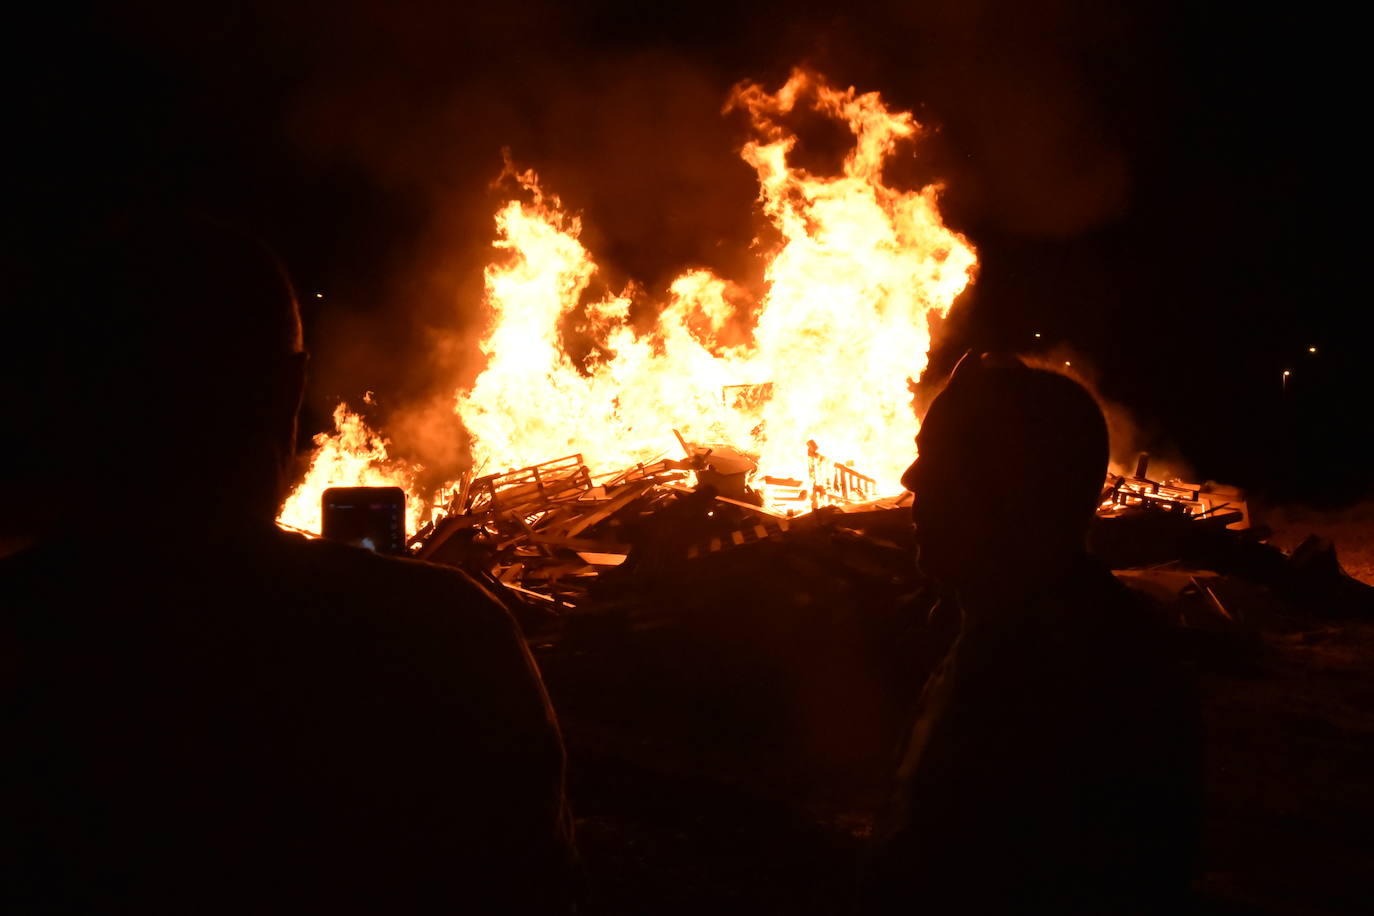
x: 842, y: 328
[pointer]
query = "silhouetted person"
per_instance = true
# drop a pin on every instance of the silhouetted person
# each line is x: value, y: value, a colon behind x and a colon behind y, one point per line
x: 1054, y: 762
x: 202, y: 713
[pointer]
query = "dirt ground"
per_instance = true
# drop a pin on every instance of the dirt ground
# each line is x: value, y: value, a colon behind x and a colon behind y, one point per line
x: 1291, y: 748
x: 1289, y: 715
x: 1351, y: 530
x: 1291, y: 776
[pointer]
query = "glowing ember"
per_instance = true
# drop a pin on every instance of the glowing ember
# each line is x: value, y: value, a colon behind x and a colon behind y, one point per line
x: 857, y: 270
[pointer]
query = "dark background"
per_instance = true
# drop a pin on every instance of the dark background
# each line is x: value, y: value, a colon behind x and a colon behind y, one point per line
x: 1170, y: 196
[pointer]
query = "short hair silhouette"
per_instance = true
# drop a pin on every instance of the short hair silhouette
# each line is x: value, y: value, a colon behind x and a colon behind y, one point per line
x: 1010, y: 468
x: 170, y: 356
x: 1040, y: 427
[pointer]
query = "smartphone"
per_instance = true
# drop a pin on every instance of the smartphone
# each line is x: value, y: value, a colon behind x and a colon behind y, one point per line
x: 370, y: 517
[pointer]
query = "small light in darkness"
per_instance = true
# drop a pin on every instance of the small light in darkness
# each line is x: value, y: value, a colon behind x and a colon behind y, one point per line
x: 319, y: 295
x: 1067, y: 363
x: 1037, y: 333
x: 1311, y: 349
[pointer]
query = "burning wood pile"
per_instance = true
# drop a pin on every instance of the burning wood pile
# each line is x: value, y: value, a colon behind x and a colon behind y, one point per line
x: 549, y: 532
x: 816, y: 361
x: 558, y: 540
x: 1219, y: 505
x: 759, y: 602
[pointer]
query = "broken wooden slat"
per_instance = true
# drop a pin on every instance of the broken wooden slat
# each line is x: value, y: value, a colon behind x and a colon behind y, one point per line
x: 769, y: 513
x: 606, y: 509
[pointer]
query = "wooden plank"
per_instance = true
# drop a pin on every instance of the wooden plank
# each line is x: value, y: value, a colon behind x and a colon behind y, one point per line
x: 608, y: 508
x: 751, y: 507
x: 602, y: 559
x: 445, y: 529
x: 524, y: 591
x: 555, y: 570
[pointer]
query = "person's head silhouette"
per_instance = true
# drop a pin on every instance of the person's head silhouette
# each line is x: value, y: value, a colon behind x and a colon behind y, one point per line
x: 1010, y: 468
x: 169, y: 369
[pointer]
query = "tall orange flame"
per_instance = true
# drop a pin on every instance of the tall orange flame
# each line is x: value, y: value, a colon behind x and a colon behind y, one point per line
x: 858, y: 270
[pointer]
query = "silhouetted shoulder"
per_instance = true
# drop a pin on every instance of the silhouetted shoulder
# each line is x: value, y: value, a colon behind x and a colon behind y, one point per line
x: 444, y: 615
x: 411, y: 589
x: 287, y: 720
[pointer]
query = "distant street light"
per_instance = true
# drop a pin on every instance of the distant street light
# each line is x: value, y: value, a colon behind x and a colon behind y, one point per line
x: 1286, y: 373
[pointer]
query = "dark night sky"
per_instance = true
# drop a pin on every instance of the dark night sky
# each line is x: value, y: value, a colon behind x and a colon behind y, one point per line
x: 1166, y: 191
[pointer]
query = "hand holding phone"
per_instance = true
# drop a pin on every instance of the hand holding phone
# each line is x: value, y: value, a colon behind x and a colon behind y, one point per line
x: 370, y: 517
